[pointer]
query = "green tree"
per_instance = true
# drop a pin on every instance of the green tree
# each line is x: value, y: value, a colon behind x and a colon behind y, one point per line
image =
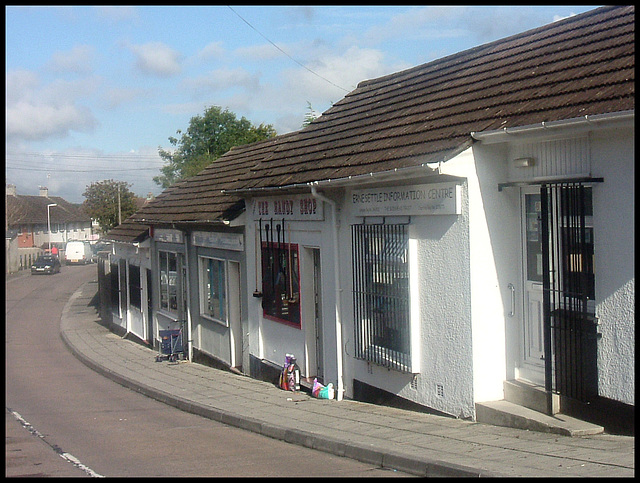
x: 207, y: 138
x: 310, y: 116
x: 109, y: 201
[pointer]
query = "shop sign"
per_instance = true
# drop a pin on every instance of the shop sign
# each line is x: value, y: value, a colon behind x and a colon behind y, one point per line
x: 223, y: 241
x: 424, y: 199
x: 294, y: 207
x: 167, y: 236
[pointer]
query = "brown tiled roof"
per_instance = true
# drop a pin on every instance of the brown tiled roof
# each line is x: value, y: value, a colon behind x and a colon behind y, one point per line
x: 128, y: 232
x: 583, y: 65
x: 27, y: 210
x: 201, y: 199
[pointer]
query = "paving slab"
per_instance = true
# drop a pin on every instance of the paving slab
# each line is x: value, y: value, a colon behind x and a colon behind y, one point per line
x: 415, y: 442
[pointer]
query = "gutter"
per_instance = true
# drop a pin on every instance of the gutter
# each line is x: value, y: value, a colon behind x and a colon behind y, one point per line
x: 579, y: 123
x: 336, y: 268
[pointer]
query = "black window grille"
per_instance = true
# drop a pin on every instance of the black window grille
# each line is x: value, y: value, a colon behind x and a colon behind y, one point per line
x: 381, y: 295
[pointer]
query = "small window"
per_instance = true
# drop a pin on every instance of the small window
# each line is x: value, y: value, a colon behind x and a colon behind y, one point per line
x: 213, y: 291
x: 168, y: 262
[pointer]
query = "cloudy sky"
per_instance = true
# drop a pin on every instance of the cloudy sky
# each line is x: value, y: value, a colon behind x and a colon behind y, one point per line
x: 93, y: 92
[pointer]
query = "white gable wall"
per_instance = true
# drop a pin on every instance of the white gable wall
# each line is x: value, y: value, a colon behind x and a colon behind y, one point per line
x: 613, y: 219
x: 494, y: 261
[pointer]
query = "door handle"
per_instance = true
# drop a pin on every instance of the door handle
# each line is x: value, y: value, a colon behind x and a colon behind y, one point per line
x: 513, y: 299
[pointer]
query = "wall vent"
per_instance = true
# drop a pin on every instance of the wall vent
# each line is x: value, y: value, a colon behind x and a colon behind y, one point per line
x: 440, y: 390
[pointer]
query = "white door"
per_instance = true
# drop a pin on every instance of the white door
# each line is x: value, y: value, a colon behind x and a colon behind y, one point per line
x: 235, y: 314
x: 311, y: 299
x: 532, y: 364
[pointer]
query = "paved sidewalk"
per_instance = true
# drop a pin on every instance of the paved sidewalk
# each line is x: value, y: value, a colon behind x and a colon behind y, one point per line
x: 417, y: 443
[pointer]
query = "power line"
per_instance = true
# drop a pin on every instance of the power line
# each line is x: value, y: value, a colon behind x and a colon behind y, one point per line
x: 136, y: 158
x: 300, y: 64
x: 66, y: 170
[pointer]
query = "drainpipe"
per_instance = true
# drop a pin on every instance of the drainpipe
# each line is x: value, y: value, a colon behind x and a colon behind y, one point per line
x: 187, y: 292
x: 336, y: 268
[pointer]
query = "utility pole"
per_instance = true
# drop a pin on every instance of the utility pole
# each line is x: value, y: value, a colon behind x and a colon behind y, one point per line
x: 49, y: 222
x: 119, y: 208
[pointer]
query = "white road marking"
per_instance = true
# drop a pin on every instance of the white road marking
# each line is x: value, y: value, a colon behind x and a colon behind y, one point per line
x: 66, y: 456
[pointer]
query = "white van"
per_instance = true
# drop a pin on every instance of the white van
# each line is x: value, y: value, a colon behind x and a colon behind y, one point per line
x: 78, y: 252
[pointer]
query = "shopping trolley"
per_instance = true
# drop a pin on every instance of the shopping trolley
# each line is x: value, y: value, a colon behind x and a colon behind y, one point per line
x: 171, y: 347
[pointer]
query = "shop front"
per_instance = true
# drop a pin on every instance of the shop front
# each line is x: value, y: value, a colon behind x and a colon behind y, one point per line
x: 171, y: 308
x: 288, y: 277
x: 218, y: 324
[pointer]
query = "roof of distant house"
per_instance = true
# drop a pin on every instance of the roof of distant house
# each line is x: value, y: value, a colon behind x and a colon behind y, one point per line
x: 28, y: 209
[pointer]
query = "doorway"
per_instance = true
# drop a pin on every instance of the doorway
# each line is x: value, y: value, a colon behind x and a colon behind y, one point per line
x: 532, y: 363
x: 312, y: 309
x: 559, y: 328
x: 235, y: 315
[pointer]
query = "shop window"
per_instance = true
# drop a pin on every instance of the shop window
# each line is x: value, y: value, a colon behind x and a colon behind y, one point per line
x: 168, y: 281
x: 280, y: 278
x: 213, y: 292
x: 381, y: 295
x: 135, y: 288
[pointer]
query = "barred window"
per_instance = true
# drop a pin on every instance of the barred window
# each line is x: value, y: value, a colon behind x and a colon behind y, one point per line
x: 381, y: 295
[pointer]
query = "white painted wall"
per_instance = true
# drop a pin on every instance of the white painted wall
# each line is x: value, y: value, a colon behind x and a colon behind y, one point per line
x: 445, y: 381
x: 614, y: 238
x: 494, y: 260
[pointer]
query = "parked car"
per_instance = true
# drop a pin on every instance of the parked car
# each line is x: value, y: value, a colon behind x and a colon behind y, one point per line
x: 100, y: 246
x: 46, y: 264
x: 78, y: 252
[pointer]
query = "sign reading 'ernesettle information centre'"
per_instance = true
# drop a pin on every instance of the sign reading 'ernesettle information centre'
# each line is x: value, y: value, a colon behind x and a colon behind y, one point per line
x: 424, y: 199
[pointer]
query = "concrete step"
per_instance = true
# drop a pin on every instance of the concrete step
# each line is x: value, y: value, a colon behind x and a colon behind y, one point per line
x: 530, y: 395
x: 505, y: 413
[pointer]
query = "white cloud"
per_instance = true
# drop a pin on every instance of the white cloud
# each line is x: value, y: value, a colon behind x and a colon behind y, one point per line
x: 261, y: 52
x: 417, y: 22
x: 37, y: 112
x: 116, y: 97
x: 156, y: 58
x: 214, y: 50
x: 345, y: 70
x: 283, y: 102
x: 222, y: 79
x: 77, y: 60
x: 30, y: 121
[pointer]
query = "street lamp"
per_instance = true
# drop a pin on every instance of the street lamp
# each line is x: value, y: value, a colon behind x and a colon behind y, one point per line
x: 49, y: 222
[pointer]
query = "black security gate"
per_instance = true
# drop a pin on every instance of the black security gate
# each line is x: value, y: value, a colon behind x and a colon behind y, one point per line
x: 570, y: 334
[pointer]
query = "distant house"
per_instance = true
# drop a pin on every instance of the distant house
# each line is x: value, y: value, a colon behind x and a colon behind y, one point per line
x: 30, y: 216
x: 443, y: 234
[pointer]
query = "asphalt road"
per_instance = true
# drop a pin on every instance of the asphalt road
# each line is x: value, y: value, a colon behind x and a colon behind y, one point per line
x: 63, y: 419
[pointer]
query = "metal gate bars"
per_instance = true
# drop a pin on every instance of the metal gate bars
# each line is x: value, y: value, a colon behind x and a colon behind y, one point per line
x: 569, y: 289
x: 381, y: 295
